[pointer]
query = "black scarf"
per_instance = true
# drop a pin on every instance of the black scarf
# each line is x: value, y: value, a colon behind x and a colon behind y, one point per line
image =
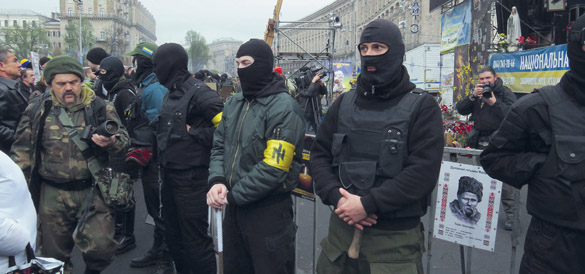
x: 259, y: 74
x: 170, y: 64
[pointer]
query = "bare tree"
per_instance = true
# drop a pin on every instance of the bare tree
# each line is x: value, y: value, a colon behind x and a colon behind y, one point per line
x: 197, y: 50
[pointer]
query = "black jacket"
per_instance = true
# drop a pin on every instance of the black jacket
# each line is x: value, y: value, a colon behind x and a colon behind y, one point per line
x: 518, y: 155
x: 488, y: 118
x: 310, y: 101
x: 412, y: 185
x: 122, y: 95
x: 12, y: 104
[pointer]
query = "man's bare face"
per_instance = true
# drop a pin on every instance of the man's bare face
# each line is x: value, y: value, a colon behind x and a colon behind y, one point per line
x: 67, y: 88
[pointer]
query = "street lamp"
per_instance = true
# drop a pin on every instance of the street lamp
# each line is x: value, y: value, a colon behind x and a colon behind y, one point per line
x: 80, y: 6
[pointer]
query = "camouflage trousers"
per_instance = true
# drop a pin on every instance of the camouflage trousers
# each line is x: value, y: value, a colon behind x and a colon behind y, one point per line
x: 59, y: 216
x: 381, y: 251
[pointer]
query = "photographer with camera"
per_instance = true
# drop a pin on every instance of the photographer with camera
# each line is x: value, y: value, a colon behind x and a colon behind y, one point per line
x: 310, y: 98
x: 56, y: 162
x: 488, y: 105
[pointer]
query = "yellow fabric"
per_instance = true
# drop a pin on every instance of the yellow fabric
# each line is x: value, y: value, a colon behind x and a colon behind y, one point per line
x: 279, y: 154
x: 216, y: 119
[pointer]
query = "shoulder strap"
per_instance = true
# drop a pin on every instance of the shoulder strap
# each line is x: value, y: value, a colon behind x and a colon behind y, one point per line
x: 92, y: 163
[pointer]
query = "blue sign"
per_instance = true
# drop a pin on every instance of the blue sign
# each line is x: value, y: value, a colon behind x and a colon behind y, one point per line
x: 456, y: 27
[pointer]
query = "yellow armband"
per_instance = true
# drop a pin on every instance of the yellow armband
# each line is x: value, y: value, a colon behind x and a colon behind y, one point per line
x: 279, y: 154
x: 216, y: 119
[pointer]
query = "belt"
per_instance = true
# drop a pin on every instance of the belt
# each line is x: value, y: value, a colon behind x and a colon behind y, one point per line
x: 71, y: 185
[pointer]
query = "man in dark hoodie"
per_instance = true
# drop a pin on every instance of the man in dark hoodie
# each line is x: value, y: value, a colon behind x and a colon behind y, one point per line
x: 256, y: 155
x: 121, y: 92
x: 140, y: 118
x: 94, y: 58
x: 190, y: 113
x: 376, y: 158
x: 540, y: 144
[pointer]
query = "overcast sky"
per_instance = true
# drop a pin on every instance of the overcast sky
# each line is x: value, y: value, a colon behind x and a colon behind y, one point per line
x: 239, y: 19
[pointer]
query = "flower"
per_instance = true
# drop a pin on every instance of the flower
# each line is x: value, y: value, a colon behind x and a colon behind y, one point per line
x: 523, y: 41
x: 501, y: 40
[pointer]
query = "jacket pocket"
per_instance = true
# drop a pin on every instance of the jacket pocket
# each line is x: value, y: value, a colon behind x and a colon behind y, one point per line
x: 336, y: 146
x: 359, y: 174
x: 391, y: 153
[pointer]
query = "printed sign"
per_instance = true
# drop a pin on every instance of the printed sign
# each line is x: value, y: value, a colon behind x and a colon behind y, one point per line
x: 468, y: 203
x: 456, y: 27
x: 305, y: 186
x: 524, y: 71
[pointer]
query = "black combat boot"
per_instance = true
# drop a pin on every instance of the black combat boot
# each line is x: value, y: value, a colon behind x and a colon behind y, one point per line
x: 165, y: 265
x: 124, y: 231
x: 152, y: 256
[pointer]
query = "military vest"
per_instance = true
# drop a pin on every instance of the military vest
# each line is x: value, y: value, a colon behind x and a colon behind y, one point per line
x: 557, y: 192
x: 174, y: 142
x: 139, y: 129
x: 372, y: 143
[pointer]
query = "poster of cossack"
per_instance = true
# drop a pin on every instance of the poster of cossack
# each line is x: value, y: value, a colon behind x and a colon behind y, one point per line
x: 468, y: 203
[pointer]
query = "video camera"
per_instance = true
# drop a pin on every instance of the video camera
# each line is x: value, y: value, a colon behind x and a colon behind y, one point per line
x: 107, y: 129
x: 306, y: 74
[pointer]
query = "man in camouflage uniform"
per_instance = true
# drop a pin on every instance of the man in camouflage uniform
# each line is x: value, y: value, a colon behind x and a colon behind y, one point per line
x: 58, y: 174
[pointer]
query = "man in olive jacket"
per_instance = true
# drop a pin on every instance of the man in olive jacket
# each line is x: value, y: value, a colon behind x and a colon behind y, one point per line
x: 256, y: 154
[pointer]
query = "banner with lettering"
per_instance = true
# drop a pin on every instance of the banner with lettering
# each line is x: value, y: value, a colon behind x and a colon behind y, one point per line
x: 467, y: 207
x: 524, y: 71
x: 456, y: 27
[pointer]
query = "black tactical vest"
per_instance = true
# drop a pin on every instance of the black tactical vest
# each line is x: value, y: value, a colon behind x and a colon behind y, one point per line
x: 139, y: 129
x: 372, y: 143
x: 174, y: 143
x: 557, y: 192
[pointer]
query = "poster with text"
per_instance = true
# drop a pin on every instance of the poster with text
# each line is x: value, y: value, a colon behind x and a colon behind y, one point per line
x: 468, y: 203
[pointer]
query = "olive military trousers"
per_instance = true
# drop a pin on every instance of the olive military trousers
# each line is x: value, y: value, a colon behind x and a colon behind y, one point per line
x: 381, y: 252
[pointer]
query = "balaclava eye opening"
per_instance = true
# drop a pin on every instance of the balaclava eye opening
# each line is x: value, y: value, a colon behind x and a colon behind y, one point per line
x: 170, y: 64
x: 388, y: 65
x: 256, y: 76
x: 114, y: 70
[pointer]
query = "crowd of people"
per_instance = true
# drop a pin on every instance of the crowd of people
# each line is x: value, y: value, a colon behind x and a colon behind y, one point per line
x: 376, y: 159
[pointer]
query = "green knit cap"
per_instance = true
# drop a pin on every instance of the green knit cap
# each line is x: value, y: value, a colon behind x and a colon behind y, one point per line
x: 62, y: 65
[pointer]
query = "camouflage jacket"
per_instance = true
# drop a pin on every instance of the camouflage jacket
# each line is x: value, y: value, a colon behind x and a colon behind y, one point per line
x: 42, y: 146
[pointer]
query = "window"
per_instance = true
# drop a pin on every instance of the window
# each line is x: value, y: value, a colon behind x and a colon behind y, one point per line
x: 24, y: 23
x: 89, y: 11
x: 69, y: 12
x: 81, y: 10
x: 48, y: 34
x: 103, y: 35
x: 53, y: 33
x: 59, y: 33
x: 102, y: 12
x: 59, y: 44
x: 6, y: 23
x: 34, y: 23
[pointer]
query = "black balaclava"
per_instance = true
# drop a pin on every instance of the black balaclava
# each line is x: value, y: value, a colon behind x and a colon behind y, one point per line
x: 388, y: 65
x: 170, y: 64
x: 259, y: 74
x: 574, y: 80
x: 114, y: 71
x: 144, y: 67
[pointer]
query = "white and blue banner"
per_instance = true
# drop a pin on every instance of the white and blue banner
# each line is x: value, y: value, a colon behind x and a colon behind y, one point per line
x: 456, y: 27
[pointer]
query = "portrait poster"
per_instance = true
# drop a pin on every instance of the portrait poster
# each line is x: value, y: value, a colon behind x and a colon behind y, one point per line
x: 460, y: 221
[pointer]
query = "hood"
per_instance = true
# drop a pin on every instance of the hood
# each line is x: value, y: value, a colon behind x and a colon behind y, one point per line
x: 170, y: 64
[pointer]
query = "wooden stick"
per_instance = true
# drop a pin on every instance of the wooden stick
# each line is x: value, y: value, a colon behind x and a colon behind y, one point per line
x: 354, y: 248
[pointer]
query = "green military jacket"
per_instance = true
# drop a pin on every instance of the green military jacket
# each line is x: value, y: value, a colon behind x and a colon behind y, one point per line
x: 257, y: 147
x: 42, y: 145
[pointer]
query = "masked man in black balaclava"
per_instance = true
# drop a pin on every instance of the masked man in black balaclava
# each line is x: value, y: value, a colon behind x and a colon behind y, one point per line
x: 376, y: 159
x: 139, y: 118
x: 540, y: 144
x: 121, y: 92
x: 190, y: 113
x: 255, y: 164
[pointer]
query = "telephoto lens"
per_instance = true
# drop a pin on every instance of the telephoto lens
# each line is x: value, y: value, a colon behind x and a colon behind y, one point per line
x: 487, y: 91
x: 108, y: 128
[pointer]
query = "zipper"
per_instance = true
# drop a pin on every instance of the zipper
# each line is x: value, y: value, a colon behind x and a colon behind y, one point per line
x: 238, y: 143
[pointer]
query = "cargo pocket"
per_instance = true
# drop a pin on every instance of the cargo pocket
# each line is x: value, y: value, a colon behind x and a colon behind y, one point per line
x: 393, y: 267
x: 571, y: 150
x: 391, y: 153
x: 330, y: 251
x: 336, y: 146
x: 359, y: 174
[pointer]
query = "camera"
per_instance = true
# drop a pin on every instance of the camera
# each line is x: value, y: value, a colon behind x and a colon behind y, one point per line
x: 305, y: 76
x: 107, y: 129
x: 487, y: 91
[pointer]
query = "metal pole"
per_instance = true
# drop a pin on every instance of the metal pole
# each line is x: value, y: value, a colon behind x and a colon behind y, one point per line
x: 430, y: 236
x: 468, y: 263
x: 462, y: 253
x: 80, y: 34
x: 515, y: 230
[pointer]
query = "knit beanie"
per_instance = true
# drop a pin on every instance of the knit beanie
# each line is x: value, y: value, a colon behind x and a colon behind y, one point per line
x: 471, y: 185
x: 62, y: 65
x: 96, y: 55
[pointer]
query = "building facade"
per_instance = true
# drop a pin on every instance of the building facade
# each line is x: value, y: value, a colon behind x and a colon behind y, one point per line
x: 223, y: 55
x: 117, y: 25
x: 23, y: 18
x: 418, y: 25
